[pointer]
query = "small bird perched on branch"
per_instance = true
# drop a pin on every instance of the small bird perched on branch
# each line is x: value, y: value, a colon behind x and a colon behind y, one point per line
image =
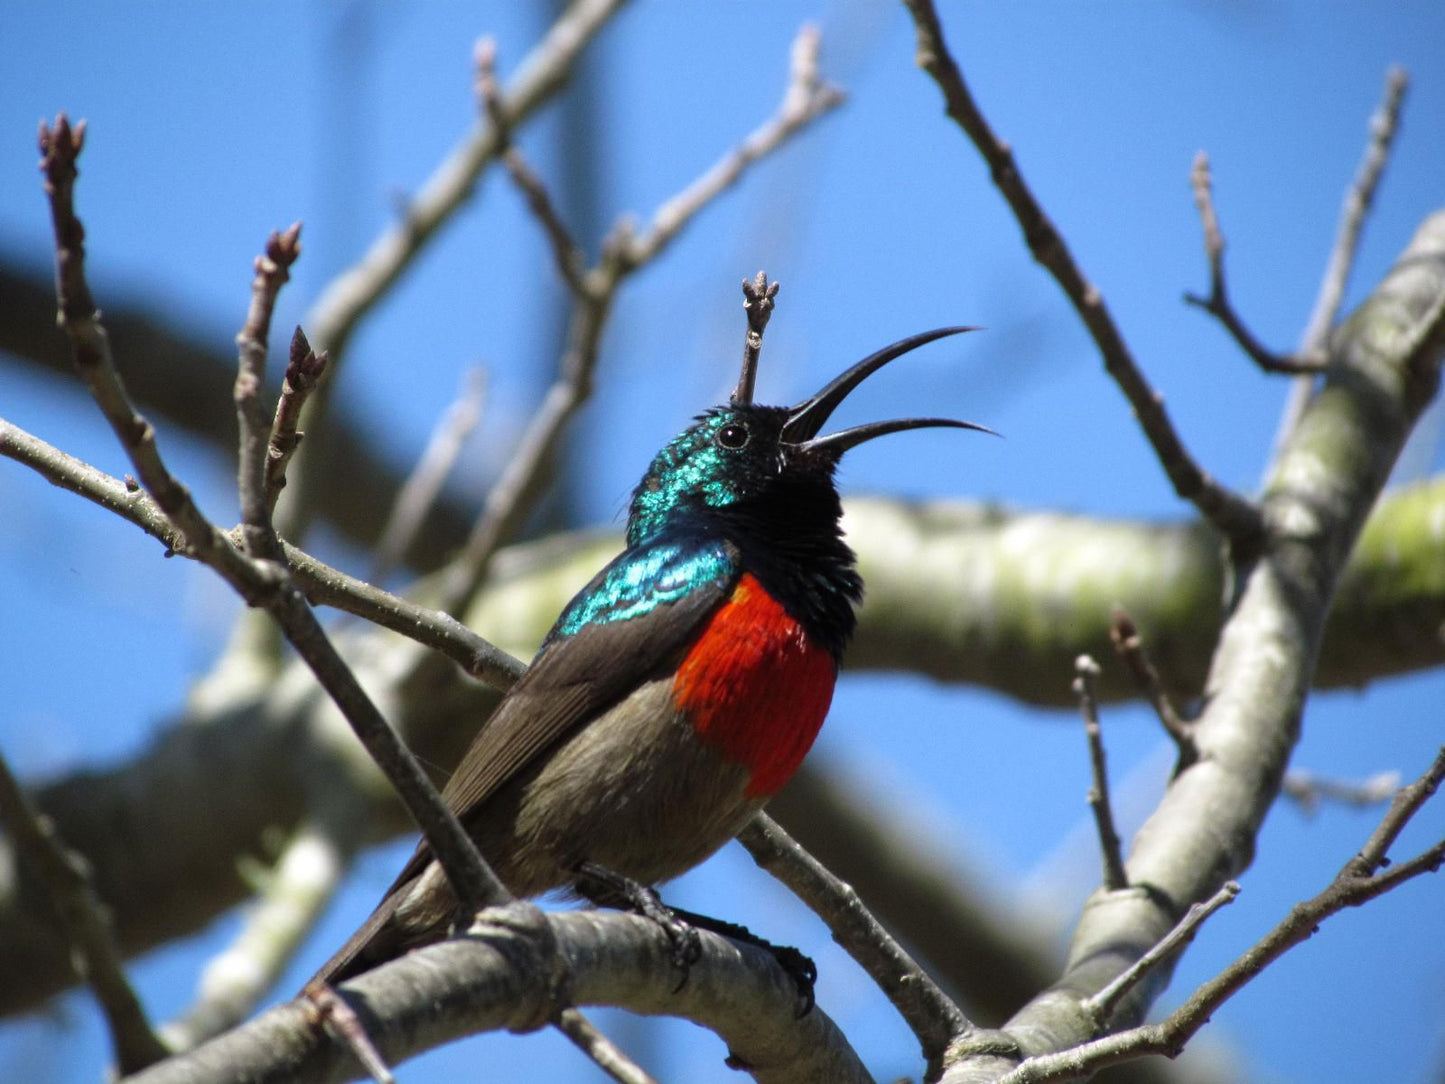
x: 682, y: 687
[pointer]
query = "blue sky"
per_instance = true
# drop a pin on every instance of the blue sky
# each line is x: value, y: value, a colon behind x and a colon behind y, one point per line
x: 211, y: 125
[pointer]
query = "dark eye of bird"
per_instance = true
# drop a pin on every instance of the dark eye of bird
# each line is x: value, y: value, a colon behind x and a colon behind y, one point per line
x: 732, y: 435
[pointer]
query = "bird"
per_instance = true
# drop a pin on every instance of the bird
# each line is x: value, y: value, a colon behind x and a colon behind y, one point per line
x: 681, y: 688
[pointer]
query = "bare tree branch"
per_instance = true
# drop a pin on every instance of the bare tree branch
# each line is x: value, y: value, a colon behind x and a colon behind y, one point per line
x: 1359, y: 197
x: 1232, y: 515
x: 927, y: 1010
x: 258, y: 485
x: 296, y: 890
x: 260, y: 582
x: 1363, y: 878
x: 422, y: 487
x: 759, y: 300
x: 1130, y: 647
x: 600, y: 1049
x: 1101, y: 1005
x: 1217, y: 303
x: 806, y: 98
x: 184, y: 375
x: 322, y: 584
x: 473, y: 983
x: 352, y: 294
x: 567, y: 254
x: 340, y: 1018
x: 1202, y: 832
x: 1308, y: 790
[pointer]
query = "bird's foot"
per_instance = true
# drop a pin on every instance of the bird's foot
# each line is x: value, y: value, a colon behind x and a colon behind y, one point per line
x: 798, y: 966
x: 608, y: 889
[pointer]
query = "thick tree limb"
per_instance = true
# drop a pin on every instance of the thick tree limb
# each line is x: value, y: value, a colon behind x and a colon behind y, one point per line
x: 455, y: 988
x: 1384, y: 369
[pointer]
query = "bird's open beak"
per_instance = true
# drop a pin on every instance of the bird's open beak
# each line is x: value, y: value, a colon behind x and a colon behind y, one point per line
x: 808, y: 417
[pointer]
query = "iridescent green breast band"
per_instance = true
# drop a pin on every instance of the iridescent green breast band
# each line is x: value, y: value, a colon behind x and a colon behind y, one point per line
x: 641, y: 580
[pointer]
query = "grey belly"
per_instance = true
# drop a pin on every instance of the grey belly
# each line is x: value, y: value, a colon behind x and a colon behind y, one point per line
x: 634, y: 791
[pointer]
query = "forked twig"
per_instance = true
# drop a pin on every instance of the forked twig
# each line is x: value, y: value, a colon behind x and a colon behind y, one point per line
x: 262, y: 582
x: 322, y: 584
x: 1237, y: 518
x: 1365, y: 876
x: 806, y: 98
x: 567, y: 254
x: 1102, y: 1004
x: 1217, y: 304
x: 353, y: 293
x: 273, y: 271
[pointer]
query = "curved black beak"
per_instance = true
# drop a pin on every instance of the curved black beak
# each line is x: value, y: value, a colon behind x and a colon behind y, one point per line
x: 808, y: 417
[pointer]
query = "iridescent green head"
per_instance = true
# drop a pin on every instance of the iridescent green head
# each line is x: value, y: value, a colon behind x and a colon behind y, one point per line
x: 741, y: 456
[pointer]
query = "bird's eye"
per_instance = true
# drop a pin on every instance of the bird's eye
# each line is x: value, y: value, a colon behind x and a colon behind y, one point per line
x: 733, y: 436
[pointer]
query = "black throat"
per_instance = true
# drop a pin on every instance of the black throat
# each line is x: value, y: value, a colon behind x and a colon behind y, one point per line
x: 790, y: 538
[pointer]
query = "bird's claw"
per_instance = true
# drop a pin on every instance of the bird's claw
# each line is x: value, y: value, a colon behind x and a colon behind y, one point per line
x: 684, y: 946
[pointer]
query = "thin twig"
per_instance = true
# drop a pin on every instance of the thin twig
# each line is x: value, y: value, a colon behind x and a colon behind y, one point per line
x: 602, y: 1050
x: 1102, y: 1004
x: 759, y: 300
x: 353, y: 293
x: 420, y: 490
x: 273, y: 270
x: 1087, y: 671
x: 304, y: 369
x: 322, y: 584
x: 515, y: 492
x: 90, y: 346
x: 808, y: 97
x: 1359, y: 197
x: 341, y: 1018
x: 933, y: 1017
x: 567, y: 254
x: 1364, y: 877
x: 1130, y: 647
x: 1237, y: 518
x: 83, y: 915
x: 1217, y: 303
x: 1308, y: 790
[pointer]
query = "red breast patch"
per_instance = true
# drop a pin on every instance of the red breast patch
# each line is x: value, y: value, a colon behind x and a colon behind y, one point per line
x: 754, y: 685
